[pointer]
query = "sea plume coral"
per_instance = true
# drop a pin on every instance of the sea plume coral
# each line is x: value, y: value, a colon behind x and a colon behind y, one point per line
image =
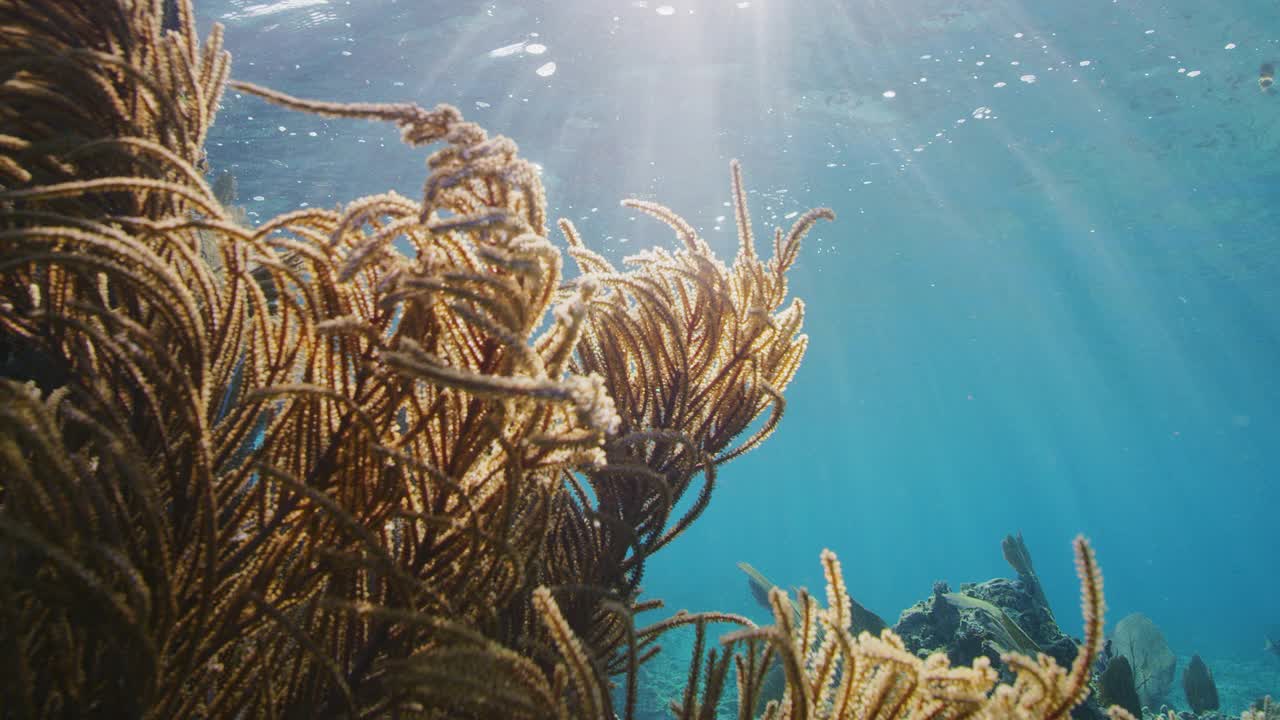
x: 298, y: 470
x: 339, y: 464
x: 692, y: 351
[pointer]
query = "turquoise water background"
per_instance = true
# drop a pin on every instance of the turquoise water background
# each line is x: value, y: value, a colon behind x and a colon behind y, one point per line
x: 1050, y: 303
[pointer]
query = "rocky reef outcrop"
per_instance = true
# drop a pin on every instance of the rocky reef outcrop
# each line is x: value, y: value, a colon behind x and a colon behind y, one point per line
x: 951, y: 623
x: 991, y: 618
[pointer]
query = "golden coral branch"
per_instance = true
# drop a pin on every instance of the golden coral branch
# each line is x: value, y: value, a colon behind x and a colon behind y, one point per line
x: 583, y: 676
x: 877, y: 677
x: 330, y: 445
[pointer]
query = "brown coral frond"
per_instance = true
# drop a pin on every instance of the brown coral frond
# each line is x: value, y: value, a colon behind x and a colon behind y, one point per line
x: 293, y: 469
x: 742, y: 215
x: 683, y: 344
x: 419, y: 126
x: 582, y: 674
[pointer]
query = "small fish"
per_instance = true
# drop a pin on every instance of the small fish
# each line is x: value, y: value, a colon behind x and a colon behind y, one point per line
x: 1271, y: 646
x: 860, y: 618
x: 1266, y: 77
x: 760, y: 587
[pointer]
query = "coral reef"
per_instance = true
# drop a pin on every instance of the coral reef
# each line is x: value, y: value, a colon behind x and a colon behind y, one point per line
x: 292, y: 470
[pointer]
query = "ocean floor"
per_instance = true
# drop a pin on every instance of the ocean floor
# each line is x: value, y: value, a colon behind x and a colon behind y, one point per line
x: 1240, y: 680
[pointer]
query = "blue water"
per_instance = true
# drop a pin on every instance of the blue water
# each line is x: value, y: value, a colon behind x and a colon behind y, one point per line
x: 1050, y: 305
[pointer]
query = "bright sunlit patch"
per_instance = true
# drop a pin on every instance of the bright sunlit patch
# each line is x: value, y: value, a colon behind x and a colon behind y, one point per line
x: 666, y: 10
x: 265, y: 9
x: 547, y: 70
x: 506, y: 50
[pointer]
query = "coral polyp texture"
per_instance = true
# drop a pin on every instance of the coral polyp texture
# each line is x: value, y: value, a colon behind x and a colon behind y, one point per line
x: 382, y: 460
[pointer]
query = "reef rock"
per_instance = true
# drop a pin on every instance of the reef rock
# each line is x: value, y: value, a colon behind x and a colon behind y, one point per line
x: 976, y: 621
x: 989, y: 618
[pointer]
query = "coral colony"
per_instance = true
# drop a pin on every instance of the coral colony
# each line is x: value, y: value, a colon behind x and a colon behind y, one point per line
x: 338, y: 464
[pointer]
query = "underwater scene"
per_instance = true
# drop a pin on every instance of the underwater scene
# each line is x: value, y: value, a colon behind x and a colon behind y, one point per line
x: 639, y: 359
